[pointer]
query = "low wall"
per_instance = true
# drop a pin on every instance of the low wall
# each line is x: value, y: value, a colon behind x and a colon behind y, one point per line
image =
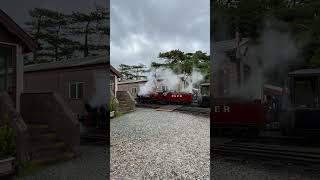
x: 128, y: 98
x: 50, y: 108
x: 7, y: 107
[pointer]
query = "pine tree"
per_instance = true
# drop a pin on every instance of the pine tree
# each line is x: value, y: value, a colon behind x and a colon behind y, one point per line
x: 133, y: 72
x: 86, y: 25
x: 48, y: 29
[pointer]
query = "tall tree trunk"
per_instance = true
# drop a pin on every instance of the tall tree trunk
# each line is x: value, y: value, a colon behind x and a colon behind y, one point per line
x: 57, y: 44
x: 86, y: 48
x: 35, y: 53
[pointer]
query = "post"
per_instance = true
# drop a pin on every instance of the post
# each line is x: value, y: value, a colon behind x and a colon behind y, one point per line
x: 19, y: 76
x: 239, y: 59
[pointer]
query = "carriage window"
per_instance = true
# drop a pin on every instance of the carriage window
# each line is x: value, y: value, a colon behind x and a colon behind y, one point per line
x: 205, y: 90
x: 164, y: 88
x: 305, y: 92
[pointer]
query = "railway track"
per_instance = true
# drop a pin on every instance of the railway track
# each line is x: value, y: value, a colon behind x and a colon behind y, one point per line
x: 271, y: 148
x: 194, y: 110
x: 190, y: 109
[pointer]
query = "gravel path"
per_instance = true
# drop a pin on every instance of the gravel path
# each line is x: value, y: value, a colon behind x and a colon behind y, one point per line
x: 150, y: 144
x: 91, y: 165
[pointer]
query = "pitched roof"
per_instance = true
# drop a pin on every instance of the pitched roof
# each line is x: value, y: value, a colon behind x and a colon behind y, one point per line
x: 15, y: 29
x: 115, y: 71
x: 132, y: 81
x: 94, y: 60
x: 305, y: 72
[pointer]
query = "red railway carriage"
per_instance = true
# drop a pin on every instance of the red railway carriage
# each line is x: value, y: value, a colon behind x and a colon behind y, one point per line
x: 167, y: 98
x: 237, y: 114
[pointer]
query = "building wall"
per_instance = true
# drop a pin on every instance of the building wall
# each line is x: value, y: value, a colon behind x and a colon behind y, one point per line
x: 114, y: 79
x: 128, y: 87
x: 7, y: 40
x: 58, y: 81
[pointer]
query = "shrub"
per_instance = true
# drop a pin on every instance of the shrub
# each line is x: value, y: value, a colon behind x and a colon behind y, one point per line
x: 112, y: 105
x: 7, y: 139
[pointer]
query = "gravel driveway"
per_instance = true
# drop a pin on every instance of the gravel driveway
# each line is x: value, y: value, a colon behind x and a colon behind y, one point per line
x: 150, y: 144
x: 90, y: 165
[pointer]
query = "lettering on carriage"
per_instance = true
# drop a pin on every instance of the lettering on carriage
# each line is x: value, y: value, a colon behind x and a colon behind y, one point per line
x: 221, y: 108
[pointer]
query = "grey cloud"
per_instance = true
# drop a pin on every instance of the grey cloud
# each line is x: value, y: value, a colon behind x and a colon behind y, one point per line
x: 18, y: 9
x: 142, y: 29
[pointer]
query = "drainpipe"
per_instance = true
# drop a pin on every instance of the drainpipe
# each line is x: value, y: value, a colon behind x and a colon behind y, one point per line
x: 19, y: 72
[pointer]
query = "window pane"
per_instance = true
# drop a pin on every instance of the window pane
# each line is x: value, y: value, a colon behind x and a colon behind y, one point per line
x: 304, y: 92
x: 73, y: 91
x: 80, y: 90
x: 3, y: 73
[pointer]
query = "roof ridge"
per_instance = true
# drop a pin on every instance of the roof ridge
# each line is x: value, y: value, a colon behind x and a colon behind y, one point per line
x: 18, y: 31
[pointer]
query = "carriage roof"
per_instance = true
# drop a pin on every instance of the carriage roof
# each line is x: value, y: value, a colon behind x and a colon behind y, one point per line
x: 305, y: 72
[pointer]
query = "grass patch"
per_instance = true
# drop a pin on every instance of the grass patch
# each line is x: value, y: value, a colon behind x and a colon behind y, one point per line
x: 118, y: 114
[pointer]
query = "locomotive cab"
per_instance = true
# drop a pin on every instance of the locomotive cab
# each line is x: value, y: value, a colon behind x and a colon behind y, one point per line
x: 300, y: 105
x: 204, y: 97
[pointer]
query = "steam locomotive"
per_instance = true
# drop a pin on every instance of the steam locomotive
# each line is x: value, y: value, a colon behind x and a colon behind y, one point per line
x: 300, y: 108
x: 204, y: 95
x: 166, y: 98
x: 237, y: 115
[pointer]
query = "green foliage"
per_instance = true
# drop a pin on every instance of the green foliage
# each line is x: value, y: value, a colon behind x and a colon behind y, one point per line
x: 112, y: 104
x: 88, y: 24
x: 315, y: 59
x: 62, y: 35
x: 133, y: 72
x: 248, y: 17
x: 7, y: 139
x: 183, y: 63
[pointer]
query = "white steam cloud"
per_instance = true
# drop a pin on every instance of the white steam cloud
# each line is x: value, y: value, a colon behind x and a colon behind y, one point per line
x: 274, y: 51
x: 99, y: 98
x: 175, y: 82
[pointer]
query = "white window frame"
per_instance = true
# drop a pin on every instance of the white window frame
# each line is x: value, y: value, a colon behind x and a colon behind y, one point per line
x: 77, y: 95
x: 136, y: 90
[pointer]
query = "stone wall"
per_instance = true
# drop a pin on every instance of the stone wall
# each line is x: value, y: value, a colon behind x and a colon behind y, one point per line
x: 126, y: 99
x: 128, y: 87
x: 50, y: 108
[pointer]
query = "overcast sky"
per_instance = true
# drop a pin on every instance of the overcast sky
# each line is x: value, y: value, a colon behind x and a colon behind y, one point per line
x: 141, y: 29
x: 18, y: 9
